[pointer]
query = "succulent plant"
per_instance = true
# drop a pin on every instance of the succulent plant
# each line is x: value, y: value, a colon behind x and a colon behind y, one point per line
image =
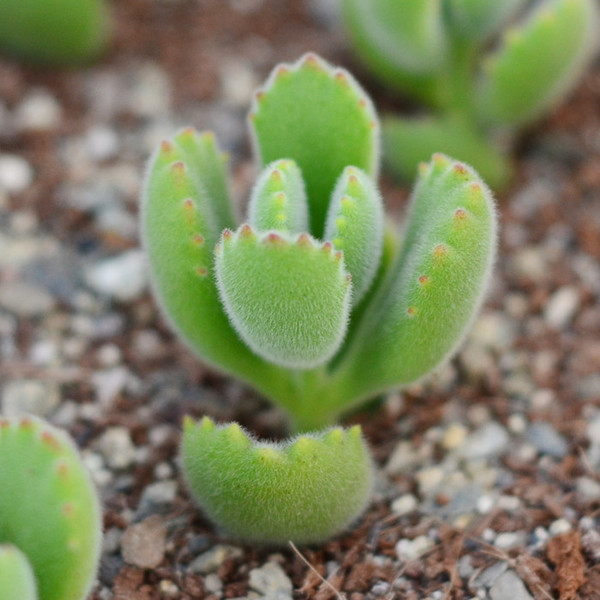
x: 54, y: 32
x: 313, y: 301
x: 485, y: 68
x: 50, y: 519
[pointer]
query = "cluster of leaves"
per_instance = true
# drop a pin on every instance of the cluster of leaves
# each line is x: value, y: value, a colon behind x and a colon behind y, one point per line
x: 484, y: 67
x: 312, y: 300
x: 50, y: 517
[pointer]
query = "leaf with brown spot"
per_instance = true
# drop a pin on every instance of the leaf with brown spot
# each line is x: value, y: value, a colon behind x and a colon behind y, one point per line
x: 565, y: 552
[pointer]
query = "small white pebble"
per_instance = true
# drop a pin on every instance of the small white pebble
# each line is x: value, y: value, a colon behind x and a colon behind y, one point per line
x: 408, y: 550
x: 561, y: 307
x: 517, y: 424
x: 509, y: 503
x: 405, y: 504
x: 454, y: 436
x: 559, y: 527
x: 39, y: 111
x: 16, y: 174
x: 485, y: 504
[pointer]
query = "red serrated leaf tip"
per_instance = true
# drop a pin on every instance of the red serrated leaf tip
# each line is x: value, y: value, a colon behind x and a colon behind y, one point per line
x: 362, y: 103
x: 424, y: 279
x: 304, y: 241
x: 63, y: 469
x: 311, y: 60
x: 273, y: 238
x: 50, y: 440
x: 342, y: 78
x: 198, y: 240
x: 338, y: 256
x: 460, y: 214
x: 412, y: 311
x: 327, y: 247
x: 202, y: 271
x: 246, y: 231
x: 166, y: 147
x: 276, y: 175
x: 281, y: 72
x: 440, y: 251
x: 460, y: 169
x: 227, y: 234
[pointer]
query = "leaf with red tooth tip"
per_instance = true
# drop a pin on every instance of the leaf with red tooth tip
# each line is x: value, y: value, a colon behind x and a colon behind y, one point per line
x: 185, y: 201
x: 306, y: 489
x: 17, y: 581
x: 278, y: 200
x: 287, y: 299
x: 355, y: 225
x: 48, y: 508
x: 322, y: 122
x: 437, y: 285
x: 539, y: 61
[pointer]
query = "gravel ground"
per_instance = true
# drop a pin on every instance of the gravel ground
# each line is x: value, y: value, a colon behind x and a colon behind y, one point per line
x: 489, y: 481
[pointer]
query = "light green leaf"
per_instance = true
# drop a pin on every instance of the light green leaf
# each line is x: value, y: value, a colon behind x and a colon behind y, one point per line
x: 539, y: 61
x: 304, y: 490
x: 48, y: 507
x: 17, y: 581
x: 278, y: 200
x: 288, y: 298
x: 355, y: 226
x: 319, y: 117
x: 438, y: 283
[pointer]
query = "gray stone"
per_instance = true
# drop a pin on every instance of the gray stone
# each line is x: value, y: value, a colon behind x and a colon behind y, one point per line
x: 271, y: 582
x: 491, y: 439
x: 16, y: 174
x: 117, y: 448
x: 143, y: 544
x: 561, y: 307
x: 488, y: 576
x: 29, y: 396
x: 38, y: 111
x: 509, y: 587
x: 25, y: 299
x: 123, y: 278
x: 211, y: 560
x: 547, y: 440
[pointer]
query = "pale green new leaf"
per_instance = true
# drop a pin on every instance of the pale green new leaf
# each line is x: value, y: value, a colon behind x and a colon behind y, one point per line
x: 538, y: 61
x: 304, y: 490
x: 49, y: 508
x: 355, y: 225
x: 17, y: 581
x: 278, y: 200
x: 319, y: 117
x: 287, y: 297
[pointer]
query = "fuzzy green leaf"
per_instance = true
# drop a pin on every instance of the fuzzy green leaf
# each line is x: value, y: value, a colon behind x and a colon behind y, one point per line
x: 288, y: 298
x: 51, y: 32
x: 539, y: 61
x: 49, y: 508
x: 355, y: 226
x: 478, y: 19
x: 278, y: 200
x: 181, y: 223
x: 319, y: 117
x: 438, y: 283
x: 17, y: 581
x: 305, y: 490
x: 402, y: 41
x: 408, y: 142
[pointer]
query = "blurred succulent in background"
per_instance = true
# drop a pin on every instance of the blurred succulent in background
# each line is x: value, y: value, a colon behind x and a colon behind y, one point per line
x: 313, y: 300
x: 50, y: 518
x: 54, y: 32
x: 485, y: 68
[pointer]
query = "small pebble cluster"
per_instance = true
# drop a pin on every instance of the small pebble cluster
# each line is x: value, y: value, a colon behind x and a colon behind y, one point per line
x: 480, y: 468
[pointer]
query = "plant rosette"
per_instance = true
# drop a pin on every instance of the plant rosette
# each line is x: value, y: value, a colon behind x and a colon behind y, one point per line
x: 312, y: 300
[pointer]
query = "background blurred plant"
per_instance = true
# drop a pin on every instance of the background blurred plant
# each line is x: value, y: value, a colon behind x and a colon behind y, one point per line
x: 485, y: 68
x: 56, y: 32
